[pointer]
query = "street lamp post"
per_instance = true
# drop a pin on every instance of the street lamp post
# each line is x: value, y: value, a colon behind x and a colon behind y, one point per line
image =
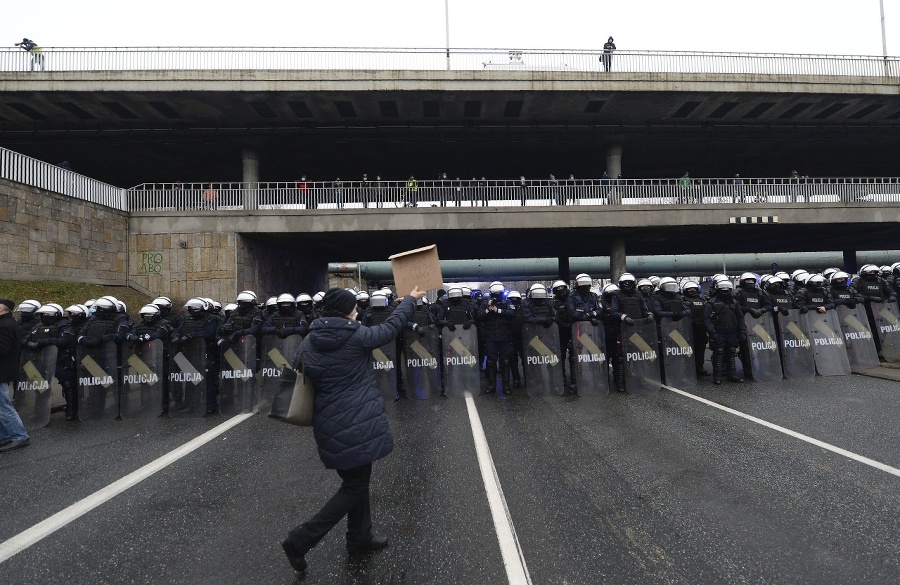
x: 447, y: 27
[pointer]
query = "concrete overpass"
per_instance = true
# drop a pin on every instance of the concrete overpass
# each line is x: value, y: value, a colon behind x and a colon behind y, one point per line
x: 654, y: 115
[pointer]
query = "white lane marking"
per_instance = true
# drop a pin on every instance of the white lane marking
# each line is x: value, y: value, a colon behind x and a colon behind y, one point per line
x: 510, y: 549
x: 45, y: 528
x: 848, y: 454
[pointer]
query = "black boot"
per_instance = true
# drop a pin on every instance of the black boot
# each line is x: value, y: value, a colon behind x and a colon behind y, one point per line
x: 504, y: 374
x: 718, y: 361
x: 619, y: 376
x: 732, y: 369
x: 514, y: 370
x: 490, y: 376
x: 573, y: 365
x: 745, y: 361
x: 70, y: 394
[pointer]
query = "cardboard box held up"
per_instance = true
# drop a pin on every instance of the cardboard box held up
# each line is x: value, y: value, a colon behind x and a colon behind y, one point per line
x: 420, y: 267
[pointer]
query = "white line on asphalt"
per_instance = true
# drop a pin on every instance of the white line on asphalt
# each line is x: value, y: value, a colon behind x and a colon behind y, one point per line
x: 41, y: 530
x: 510, y: 549
x: 849, y: 454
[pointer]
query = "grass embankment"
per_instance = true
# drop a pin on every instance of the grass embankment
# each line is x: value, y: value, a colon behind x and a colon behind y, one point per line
x: 69, y: 293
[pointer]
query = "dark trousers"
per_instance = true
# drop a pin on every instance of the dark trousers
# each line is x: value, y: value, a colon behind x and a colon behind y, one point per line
x: 352, y: 501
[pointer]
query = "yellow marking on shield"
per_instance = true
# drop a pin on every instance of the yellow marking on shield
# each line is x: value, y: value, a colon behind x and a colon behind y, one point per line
x: 233, y: 360
x: 679, y: 339
x: 188, y: 368
x: 138, y: 365
x: 95, y: 370
x: 762, y: 333
x: 278, y: 358
x: 380, y: 356
x: 639, y: 342
x: 461, y: 349
x: 889, y: 317
x: 423, y: 353
x: 32, y: 372
x: 796, y: 331
x: 540, y: 347
x: 588, y: 344
x: 823, y: 327
x: 852, y: 321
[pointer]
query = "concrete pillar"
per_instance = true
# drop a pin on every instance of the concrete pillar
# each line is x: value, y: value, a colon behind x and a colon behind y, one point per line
x: 850, y: 261
x: 250, y: 160
x: 564, y: 273
x: 614, y: 160
x: 617, y: 258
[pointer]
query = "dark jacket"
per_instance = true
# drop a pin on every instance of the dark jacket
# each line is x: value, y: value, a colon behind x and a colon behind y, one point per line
x: 10, y: 343
x: 349, y: 423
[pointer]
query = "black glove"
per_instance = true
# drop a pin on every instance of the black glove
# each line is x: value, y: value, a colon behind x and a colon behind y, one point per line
x: 756, y: 313
x: 467, y: 326
x: 281, y: 333
x: 107, y: 337
x: 743, y: 338
x: 713, y: 336
x: 32, y: 345
x: 677, y: 316
x: 851, y: 305
x: 892, y: 299
x: 547, y: 323
x: 784, y: 312
x: 687, y: 312
x: 451, y: 327
x: 233, y: 338
x: 650, y: 318
x: 132, y: 337
x: 186, y: 339
x: 227, y: 330
x: 91, y: 341
x: 803, y: 310
x: 594, y: 322
x: 628, y: 321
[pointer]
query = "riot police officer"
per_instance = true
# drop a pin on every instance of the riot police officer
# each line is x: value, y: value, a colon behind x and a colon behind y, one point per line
x: 874, y: 290
x: 751, y: 301
x: 726, y: 329
x: 691, y: 293
x: 54, y: 329
x: 841, y: 291
x: 645, y: 287
x: 581, y: 305
x: 626, y: 306
x: 305, y: 305
x: 151, y: 326
x: 538, y: 308
x: 287, y: 318
x: 106, y: 324
x: 362, y: 305
x: 564, y: 322
x: 318, y: 299
x: 200, y: 324
x: 28, y: 318
x: 378, y: 311
x: 494, y: 320
x: 457, y: 311
x: 813, y: 296
x: 246, y: 319
x: 514, y: 301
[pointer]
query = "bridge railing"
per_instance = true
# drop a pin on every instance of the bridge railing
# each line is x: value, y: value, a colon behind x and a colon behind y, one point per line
x: 375, y: 59
x: 35, y: 173
x: 399, y: 195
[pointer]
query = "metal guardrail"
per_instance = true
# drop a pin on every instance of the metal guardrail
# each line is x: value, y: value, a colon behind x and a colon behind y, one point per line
x: 302, y: 195
x: 35, y: 173
x: 375, y: 59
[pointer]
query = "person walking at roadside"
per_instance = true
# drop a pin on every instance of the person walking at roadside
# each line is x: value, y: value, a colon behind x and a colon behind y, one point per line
x: 12, y: 432
x: 349, y: 423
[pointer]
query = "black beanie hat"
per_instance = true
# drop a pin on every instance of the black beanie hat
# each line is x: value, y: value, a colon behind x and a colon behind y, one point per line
x: 339, y: 300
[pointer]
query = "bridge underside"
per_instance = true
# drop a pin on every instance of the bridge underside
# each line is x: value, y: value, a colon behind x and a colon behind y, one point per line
x: 130, y: 128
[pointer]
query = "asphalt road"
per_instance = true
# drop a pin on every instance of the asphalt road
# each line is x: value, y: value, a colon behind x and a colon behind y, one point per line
x: 617, y: 490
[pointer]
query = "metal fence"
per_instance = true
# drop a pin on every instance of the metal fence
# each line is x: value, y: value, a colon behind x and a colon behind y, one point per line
x: 300, y: 195
x: 375, y: 59
x: 35, y: 173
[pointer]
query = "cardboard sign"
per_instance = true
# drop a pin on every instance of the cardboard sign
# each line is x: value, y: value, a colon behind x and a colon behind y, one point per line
x: 420, y: 267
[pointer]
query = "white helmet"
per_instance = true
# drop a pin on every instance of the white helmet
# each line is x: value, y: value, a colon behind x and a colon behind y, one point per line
x: 869, y: 269
x: 627, y: 281
x: 724, y: 285
x: 748, y: 276
x: 114, y: 300
x: 103, y: 304
x: 455, y: 292
x: 537, y: 291
x: 688, y: 285
x: 285, y: 298
x: 557, y: 284
x: 815, y: 281
x: 645, y: 282
x: 303, y: 298
x: 195, y: 304
x: 514, y: 294
x: 271, y: 301
x: 318, y: 297
x: 496, y: 287
x: 77, y: 309
x: 50, y: 309
x: 668, y: 284
x: 467, y: 292
x: 840, y: 274
x: 90, y: 303
x: 654, y: 280
x: 378, y: 300
x: 610, y: 289
x: 247, y: 296
x: 28, y: 307
x: 250, y: 292
x: 229, y: 308
x: 149, y: 310
x: 122, y: 307
x: 583, y: 280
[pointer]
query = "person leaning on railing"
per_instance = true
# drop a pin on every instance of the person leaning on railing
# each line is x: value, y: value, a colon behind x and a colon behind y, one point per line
x: 37, y: 55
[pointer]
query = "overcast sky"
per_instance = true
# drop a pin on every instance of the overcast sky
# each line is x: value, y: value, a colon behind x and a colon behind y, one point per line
x: 777, y: 26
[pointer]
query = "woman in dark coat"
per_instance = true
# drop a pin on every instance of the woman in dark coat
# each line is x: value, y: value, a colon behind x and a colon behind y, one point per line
x: 349, y: 423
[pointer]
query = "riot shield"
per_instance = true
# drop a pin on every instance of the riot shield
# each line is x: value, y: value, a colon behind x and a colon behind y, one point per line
x: 676, y: 340
x: 143, y: 384
x: 543, y: 368
x: 384, y: 362
x: 641, y: 360
x: 98, y: 382
x: 460, y: 354
x: 591, y: 372
x: 861, y: 348
x: 237, y: 378
x: 828, y: 344
x: 765, y: 360
x: 187, y: 379
x: 887, y: 319
x: 34, y: 387
x: 797, y: 356
x: 276, y: 370
x: 421, y: 363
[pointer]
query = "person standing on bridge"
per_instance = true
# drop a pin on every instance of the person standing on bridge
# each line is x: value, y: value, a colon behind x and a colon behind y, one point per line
x: 412, y: 192
x: 608, y: 47
x: 349, y: 423
x: 32, y: 48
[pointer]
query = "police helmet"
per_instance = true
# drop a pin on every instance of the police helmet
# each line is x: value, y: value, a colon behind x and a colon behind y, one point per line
x: 378, y: 300
x: 719, y: 277
x: 869, y: 270
x: 362, y: 296
x: 690, y: 285
x: 583, y: 280
x: 886, y: 271
x: 724, y: 285
x: 537, y: 291
x: 467, y: 292
x: 303, y: 298
x: 764, y: 279
x: 645, y: 284
x: 162, y: 302
x: 667, y: 284
x: 610, y: 289
x: 816, y: 281
x: 895, y: 268
x: 477, y: 294
x: 114, y: 300
x: 51, y: 309
x: 318, y: 297
x: 828, y: 272
x: 149, y: 313
x: 748, y: 280
x: 496, y: 287
x: 28, y: 307
x: 558, y: 283
x: 251, y: 293
x: 195, y: 305
x: 229, y: 309
x: 839, y: 278
x: 802, y: 278
x: 104, y: 306
x: 784, y: 276
x: 77, y: 309
x: 455, y: 292
x: 90, y: 303
x: 216, y: 306
x: 774, y: 284
x: 595, y: 290
x: 559, y: 287
x: 123, y: 308
x: 654, y: 280
x: 284, y: 298
x: 797, y: 273
x: 514, y: 294
x: 271, y: 302
x: 627, y: 281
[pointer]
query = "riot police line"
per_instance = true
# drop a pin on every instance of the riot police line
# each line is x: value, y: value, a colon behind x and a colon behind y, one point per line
x: 631, y: 336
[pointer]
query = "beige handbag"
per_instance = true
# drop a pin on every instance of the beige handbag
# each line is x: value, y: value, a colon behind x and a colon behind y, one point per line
x: 293, y: 403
